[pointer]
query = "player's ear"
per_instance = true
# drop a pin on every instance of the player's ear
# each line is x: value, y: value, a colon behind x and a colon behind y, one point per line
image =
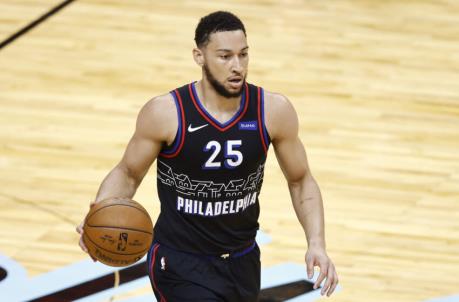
x: 198, y: 56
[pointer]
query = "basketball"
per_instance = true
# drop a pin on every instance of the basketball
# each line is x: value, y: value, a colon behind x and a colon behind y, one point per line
x: 118, y: 231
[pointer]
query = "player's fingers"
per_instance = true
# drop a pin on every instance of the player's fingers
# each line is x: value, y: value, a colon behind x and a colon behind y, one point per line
x: 310, y: 268
x: 323, y: 274
x: 82, y: 245
x: 85, y: 249
x: 326, y: 285
x: 79, y: 228
x: 335, y: 283
x: 329, y: 282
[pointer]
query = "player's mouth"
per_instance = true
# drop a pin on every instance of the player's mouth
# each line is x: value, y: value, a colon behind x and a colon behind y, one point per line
x: 235, y: 82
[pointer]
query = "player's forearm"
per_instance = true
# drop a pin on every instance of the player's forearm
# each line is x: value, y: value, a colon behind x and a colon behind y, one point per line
x: 308, y: 205
x: 118, y: 183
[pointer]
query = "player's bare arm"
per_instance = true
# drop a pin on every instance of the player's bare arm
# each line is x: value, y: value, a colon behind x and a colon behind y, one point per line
x: 156, y: 125
x: 282, y: 125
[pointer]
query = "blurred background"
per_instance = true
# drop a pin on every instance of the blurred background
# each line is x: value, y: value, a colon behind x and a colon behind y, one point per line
x: 375, y: 85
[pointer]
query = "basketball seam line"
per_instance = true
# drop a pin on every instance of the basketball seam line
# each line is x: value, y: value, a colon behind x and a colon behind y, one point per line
x: 113, y: 227
x: 87, y: 236
x: 141, y: 210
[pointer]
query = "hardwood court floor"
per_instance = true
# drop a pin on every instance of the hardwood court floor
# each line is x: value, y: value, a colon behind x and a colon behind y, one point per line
x: 375, y: 84
x: 16, y: 14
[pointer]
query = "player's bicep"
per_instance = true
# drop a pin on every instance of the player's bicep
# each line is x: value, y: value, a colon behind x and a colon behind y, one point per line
x: 292, y: 159
x: 139, y: 155
x: 289, y: 150
x: 146, y: 143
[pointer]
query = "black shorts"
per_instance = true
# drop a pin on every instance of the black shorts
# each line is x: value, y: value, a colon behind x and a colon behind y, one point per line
x: 178, y: 276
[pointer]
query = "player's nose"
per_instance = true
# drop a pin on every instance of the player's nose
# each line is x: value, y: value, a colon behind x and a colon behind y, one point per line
x: 236, y: 65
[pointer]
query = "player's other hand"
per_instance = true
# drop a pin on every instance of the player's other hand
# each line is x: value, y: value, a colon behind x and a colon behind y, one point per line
x: 80, y: 231
x: 316, y: 256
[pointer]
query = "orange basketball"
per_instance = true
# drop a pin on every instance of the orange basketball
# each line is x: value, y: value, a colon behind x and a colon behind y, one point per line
x: 118, y: 231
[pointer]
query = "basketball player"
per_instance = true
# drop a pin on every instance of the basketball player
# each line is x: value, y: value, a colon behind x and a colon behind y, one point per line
x: 210, y: 139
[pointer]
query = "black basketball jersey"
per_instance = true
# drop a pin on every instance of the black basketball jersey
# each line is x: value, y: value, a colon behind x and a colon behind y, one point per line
x: 210, y: 178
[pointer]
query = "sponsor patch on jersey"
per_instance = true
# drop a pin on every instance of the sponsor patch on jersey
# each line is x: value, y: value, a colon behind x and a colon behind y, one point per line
x: 248, y: 125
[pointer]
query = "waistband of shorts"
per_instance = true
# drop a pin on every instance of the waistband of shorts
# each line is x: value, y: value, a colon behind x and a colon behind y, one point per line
x: 229, y: 255
x: 238, y: 253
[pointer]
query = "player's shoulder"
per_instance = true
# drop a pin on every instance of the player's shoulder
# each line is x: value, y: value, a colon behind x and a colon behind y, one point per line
x: 278, y: 104
x: 280, y: 114
x: 161, y: 104
x: 275, y: 96
x: 158, y: 109
x: 158, y: 116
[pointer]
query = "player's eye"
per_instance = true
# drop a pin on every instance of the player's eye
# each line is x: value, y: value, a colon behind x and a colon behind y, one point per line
x: 224, y: 57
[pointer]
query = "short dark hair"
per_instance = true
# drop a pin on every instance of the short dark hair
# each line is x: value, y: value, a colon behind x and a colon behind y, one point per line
x: 216, y: 22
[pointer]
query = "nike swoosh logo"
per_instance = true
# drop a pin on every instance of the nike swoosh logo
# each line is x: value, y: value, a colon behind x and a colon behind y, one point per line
x: 191, y: 129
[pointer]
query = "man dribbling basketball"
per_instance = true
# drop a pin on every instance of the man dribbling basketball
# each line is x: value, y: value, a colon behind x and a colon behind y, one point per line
x: 210, y: 139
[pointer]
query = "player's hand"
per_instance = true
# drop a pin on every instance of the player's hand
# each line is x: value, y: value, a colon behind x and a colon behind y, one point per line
x: 80, y: 231
x: 316, y: 256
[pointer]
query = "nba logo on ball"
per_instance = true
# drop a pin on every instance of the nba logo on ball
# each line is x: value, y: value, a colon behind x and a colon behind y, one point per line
x: 122, y: 242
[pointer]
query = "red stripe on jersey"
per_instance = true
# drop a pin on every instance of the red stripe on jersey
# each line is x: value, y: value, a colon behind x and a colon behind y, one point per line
x: 152, y: 273
x: 183, y: 128
x: 236, y: 119
x: 260, y: 123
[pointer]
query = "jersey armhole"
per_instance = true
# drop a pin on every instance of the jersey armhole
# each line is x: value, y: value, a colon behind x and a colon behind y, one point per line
x: 265, y: 138
x: 173, y: 149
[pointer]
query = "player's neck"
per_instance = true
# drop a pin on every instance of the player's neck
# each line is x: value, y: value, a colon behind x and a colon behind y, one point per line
x: 213, y: 101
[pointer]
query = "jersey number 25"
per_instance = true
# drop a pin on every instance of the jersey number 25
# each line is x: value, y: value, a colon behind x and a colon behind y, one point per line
x: 233, y: 157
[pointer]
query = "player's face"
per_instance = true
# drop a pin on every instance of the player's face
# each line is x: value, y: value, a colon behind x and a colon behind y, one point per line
x: 226, y: 60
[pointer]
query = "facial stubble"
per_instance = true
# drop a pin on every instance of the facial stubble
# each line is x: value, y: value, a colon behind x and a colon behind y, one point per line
x: 219, y: 87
